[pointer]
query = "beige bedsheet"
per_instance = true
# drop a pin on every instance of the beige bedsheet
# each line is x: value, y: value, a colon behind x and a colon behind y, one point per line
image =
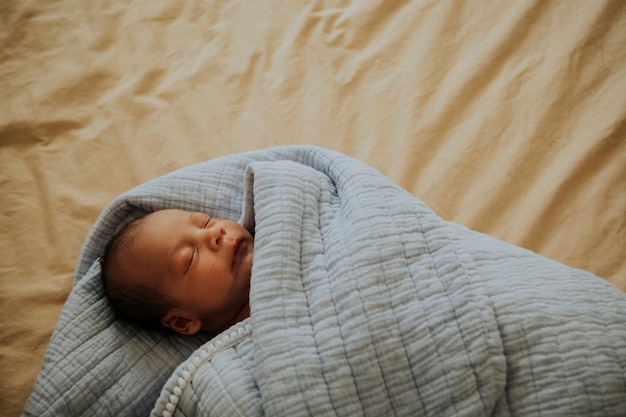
x: 508, y: 117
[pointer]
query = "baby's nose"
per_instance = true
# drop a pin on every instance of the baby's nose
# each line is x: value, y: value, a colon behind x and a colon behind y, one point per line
x: 214, y: 237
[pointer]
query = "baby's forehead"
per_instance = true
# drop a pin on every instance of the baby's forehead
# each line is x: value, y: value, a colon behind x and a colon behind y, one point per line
x: 171, y: 216
x: 153, y: 237
x: 160, y: 230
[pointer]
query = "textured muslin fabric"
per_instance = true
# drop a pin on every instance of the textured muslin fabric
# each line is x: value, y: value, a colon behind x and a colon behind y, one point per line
x: 364, y: 302
x: 359, y: 292
x: 507, y: 117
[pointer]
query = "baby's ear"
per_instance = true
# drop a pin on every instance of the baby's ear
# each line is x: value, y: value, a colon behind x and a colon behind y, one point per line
x: 180, y: 323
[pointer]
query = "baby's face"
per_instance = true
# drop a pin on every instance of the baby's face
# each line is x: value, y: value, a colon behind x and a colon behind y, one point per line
x: 201, y: 262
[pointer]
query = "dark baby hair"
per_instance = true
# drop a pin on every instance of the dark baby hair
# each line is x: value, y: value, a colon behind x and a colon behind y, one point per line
x: 140, y: 304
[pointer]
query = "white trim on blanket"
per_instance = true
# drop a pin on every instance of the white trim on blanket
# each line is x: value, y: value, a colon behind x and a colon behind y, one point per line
x: 182, y: 376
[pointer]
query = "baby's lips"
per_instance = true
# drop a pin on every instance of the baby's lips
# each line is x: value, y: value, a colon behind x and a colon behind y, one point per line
x: 236, y: 248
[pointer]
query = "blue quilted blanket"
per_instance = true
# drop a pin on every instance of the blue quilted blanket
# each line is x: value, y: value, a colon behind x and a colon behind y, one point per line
x: 363, y: 302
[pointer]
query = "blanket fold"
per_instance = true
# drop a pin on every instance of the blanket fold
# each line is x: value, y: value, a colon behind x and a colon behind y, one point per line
x: 361, y: 307
x: 363, y: 302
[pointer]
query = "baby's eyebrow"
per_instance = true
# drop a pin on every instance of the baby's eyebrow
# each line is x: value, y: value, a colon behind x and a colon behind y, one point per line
x: 193, y: 217
x: 199, y: 219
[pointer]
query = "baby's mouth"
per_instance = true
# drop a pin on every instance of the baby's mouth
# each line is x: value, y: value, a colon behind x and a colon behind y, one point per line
x: 236, y: 252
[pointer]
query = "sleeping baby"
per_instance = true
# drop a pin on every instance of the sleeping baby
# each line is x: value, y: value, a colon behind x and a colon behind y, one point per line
x: 183, y: 270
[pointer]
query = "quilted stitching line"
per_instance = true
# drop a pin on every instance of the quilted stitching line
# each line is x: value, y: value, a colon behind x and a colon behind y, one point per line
x: 433, y: 264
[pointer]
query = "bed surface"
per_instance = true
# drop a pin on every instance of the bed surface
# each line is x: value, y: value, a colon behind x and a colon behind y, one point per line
x: 509, y: 118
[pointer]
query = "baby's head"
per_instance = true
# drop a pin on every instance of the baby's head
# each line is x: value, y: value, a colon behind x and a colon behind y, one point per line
x: 182, y: 270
